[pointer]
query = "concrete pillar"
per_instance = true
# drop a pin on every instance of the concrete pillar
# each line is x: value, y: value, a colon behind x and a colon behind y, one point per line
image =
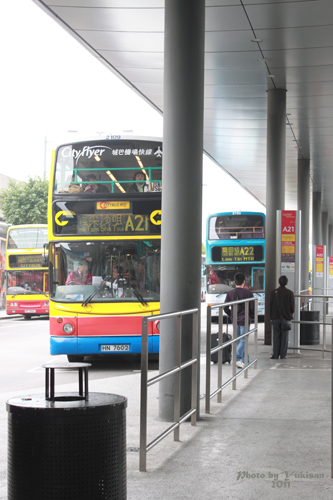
x: 324, y: 227
x: 324, y: 232
x: 317, y: 238
x: 182, y: 184
x: 275, y: 188
x: 330, y: 241
x: 303, y: 202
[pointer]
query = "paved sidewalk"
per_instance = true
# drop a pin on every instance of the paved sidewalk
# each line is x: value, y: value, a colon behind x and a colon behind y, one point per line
x: 269, y: 439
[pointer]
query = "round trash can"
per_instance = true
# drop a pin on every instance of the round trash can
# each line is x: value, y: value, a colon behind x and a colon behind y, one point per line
x: 309, y: 334
x: 67, y: 447
x: 67, y: 450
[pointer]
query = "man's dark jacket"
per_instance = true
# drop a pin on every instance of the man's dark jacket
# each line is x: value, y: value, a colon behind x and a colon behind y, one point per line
x: 242, y: 293
x: 287, y: 303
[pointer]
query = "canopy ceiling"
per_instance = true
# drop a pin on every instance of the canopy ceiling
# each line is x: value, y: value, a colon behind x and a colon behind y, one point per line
x: 246, y: 42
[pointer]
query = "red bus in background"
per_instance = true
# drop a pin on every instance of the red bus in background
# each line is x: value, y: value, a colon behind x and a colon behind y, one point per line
x: 3, y: 234
x: 27, y: 270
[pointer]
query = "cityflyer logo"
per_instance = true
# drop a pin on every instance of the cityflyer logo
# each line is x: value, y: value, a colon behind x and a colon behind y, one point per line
x: 113, y: 205
x: 87, y: 152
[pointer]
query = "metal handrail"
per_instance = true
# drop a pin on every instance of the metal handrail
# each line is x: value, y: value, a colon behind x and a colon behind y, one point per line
x: 232, y: 342
x: 332, y: 406
x: 323, y: 322
x: 304, y: 304
x: 176, y: 370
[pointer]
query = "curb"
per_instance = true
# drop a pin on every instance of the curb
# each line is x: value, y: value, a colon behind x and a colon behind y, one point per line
x: 11, y: 316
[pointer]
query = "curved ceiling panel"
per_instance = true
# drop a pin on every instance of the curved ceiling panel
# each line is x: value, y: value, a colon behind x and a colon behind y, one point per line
x: 297, y: 48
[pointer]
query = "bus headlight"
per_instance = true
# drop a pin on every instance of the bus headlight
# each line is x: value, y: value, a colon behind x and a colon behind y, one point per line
x: 45, y: 304
x: 68, y: 328
x: 156, y: 326
x: 13, y: 304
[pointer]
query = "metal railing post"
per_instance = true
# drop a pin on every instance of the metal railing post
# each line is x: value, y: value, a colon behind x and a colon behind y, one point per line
x: 256, y: 333
x: 324, y: 326
x: 246, y: 343
x: 219, y: 355
x: 195, y: 355
x: 178, y: 362
x: 332, y: 405
x: 175, y: 371
x: 233, y: 342
x: 208, y: 344
x: 144, y: 395
x: 325, y: 321
x: 234, y: 345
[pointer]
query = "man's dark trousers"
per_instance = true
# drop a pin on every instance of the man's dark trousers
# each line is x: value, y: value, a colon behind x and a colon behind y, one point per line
x: 280, y: 340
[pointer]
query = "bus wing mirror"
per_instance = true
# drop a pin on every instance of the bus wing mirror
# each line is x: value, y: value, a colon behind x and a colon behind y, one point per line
x: 45, y: 257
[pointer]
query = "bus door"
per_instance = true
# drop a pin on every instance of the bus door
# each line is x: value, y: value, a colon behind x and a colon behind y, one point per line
x: 46, y: 282
x: 258, y: 278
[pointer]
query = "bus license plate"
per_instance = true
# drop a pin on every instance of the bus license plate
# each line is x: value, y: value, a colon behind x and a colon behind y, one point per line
x: 115, y: 347
x: 29, y: 311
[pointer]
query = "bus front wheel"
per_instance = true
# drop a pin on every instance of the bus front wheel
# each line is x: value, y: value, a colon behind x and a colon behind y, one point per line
x: 27, y: 316
x: 74, y: 358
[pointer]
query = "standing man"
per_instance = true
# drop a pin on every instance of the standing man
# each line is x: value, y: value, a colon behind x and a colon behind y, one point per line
x: 239, y: 293
x: 282, y: 303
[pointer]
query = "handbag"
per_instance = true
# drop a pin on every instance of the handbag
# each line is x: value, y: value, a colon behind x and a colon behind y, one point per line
x: 285, y: 323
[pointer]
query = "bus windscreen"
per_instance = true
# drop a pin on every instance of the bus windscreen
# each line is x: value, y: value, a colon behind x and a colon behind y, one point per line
x: 236, y: 227
x: 34, y: 237
x: 119, y: 270
x: 126, y: 166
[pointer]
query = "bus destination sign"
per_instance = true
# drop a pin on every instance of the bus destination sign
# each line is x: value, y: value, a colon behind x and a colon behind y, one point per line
x: 248, y: 253
x: 26, y: 261
x: 111, y: 218
x: 97, y: 224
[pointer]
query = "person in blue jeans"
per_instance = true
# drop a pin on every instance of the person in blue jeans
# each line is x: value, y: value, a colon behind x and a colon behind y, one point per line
x: 238, y: 293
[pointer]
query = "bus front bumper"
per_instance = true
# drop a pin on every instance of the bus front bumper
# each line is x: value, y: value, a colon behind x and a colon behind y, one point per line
x: 102, y: 345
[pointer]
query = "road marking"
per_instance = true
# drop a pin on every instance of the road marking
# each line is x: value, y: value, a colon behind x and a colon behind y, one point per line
x: 40, y: 369
x: 283, y: 366
x: 37, y: 369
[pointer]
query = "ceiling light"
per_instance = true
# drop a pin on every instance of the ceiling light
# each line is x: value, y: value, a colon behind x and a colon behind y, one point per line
x: 97, y: 158
x: 114, y: 179
x: 263, y: 59
x: 139, y: 161
x: 256, y: 40
x: 111, y: 175
x: 141, y: 166
x: 270, y: 76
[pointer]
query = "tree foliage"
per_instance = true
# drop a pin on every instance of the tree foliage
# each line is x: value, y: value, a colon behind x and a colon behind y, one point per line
x: 25, y: 202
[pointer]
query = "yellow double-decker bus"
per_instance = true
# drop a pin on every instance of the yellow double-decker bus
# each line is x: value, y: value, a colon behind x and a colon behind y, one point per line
x: 27, y: 270
x: 104, y: 245
x: 3, y: 235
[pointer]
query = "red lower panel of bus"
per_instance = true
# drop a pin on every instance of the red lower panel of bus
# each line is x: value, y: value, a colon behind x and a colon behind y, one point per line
x: 28, y: 307
x: 84, y: 326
